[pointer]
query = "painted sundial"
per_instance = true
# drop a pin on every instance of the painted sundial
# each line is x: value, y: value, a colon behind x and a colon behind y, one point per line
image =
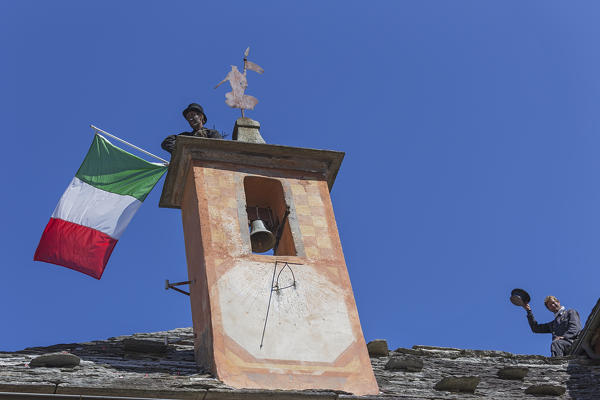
x: 306, y: 319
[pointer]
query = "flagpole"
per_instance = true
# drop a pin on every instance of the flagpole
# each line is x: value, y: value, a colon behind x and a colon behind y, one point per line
x: 129, y: 144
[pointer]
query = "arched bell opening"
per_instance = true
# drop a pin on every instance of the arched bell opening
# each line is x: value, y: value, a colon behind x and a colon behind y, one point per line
x: 268, y: 217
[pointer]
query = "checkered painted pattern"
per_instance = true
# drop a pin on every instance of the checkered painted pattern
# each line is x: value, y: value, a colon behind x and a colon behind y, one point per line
x: 318, y: 235
x: 312, y: 218
x: 221, y: 196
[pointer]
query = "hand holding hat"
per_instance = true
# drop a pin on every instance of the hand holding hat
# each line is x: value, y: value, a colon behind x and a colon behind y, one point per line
x: 520, y: 298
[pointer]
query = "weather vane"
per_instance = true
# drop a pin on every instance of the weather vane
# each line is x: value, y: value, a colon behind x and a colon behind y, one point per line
x: 236, y: 98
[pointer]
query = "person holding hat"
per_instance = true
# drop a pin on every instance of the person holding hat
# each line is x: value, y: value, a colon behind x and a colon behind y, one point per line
x: 564, y: 327
x: 194, y: 114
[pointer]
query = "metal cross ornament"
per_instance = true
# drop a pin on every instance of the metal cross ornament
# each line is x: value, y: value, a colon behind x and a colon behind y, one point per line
x: 236, y: 98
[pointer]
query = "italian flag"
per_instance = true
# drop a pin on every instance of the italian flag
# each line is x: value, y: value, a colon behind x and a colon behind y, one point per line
x: 92, y: 214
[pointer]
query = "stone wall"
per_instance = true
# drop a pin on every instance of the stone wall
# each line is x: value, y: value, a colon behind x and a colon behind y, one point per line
x: 445, y: 373
x: 161, y: 364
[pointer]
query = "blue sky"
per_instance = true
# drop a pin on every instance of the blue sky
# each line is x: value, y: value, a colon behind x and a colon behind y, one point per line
x: 470, y: 129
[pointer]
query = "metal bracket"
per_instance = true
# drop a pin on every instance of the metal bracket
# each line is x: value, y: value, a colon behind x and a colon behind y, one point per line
x: 172, y: 286
x: 280, y: 229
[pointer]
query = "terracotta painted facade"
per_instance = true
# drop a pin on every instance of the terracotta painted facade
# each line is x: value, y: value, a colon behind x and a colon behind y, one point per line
x: 285, y: 321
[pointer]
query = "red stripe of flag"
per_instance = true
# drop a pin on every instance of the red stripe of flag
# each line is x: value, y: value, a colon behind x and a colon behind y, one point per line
x: 75, y: 246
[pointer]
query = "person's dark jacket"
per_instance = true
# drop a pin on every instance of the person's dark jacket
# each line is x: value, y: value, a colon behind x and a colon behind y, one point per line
x: 169, y: 143
x: 566, y: 324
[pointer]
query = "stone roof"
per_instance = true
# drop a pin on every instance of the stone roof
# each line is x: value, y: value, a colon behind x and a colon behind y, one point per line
x: 161, y: 365
x: 588, y: 338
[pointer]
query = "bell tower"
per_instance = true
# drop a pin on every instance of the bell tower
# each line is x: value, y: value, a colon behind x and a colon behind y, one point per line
x: 272, y: 304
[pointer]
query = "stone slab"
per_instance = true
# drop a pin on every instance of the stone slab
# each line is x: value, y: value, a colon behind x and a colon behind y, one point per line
x: 105, y: 368
x: 322, y: 163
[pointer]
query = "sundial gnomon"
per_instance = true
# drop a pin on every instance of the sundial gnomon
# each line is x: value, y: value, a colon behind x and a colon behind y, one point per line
x: 277, y: 289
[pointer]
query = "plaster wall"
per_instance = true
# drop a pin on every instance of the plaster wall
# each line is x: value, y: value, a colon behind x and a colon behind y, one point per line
x: 313, y: 337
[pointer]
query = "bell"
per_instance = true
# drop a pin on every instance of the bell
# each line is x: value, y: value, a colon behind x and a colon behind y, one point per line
x: 261, y: 238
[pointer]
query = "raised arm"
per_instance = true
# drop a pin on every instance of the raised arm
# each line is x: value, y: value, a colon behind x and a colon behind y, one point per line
x: 535, y: 327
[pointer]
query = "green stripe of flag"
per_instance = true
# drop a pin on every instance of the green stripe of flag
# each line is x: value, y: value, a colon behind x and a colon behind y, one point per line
x: 114, y: 170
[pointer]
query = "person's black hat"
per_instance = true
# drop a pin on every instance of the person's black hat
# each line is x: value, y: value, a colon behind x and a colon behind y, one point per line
x: 519, y: 297
x: 195, y: 107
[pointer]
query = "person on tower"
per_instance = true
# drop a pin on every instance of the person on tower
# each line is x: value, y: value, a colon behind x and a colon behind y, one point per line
x: 564, y: 327
x: 194, y: 114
